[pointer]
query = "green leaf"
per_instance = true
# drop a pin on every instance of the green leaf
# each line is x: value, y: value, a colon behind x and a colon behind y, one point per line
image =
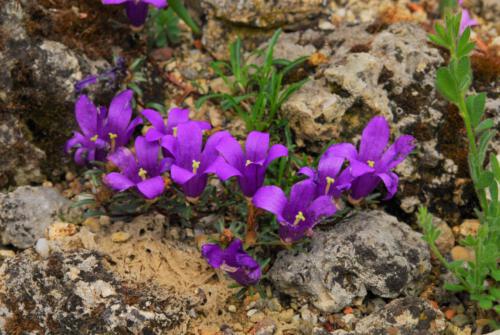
x: 436, y: 39
x: 446, y: 85
x: 485, y: 125
x: 496, y: 274
x: 462, y: 73
x: 495, y: 166
x: 183, y: 13
x: 454, y: 287
x: 475, y: 106
x: 485, y: 180
x: 485, y: 302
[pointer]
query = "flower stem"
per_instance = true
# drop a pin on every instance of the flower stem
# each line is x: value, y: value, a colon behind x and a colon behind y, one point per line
x: 251, y: 233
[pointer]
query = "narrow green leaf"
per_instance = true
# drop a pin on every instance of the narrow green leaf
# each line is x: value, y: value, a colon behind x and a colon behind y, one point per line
x: 454, y: 287
x: 485, y: 125
x: 475, y: 107
x: 436, y: 39
x: 495, y: 166
x: 485, y: 180
x: 183, y: 13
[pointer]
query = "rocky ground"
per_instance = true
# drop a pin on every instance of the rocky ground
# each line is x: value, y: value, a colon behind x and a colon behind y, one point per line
x: 368, y: 274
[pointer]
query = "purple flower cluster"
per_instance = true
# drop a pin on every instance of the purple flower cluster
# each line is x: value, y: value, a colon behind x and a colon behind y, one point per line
x: 341, y: 169
x: 102, y: 131
x: 177, y: 146
x: 137, y: 10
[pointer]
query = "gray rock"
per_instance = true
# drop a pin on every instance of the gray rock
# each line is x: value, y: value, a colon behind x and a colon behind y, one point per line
x: 26, y: 213
x: 74, y: 293
x: 371, y: 251
x: 36, y: 96
x: 19, y: 158
x: 263, y: 14
x: 405, y: 316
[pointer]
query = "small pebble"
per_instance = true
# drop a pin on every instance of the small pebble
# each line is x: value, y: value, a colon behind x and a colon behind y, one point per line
x: 104, y: 220
x: 120, y: 237
x: 5, y: 253
x: 257, y: 317
x: 286, y: 315
x: 252, y: 312
x: 92, y: 224
x: 61, y: 229
x: 70, y: 176
x: 469, y: 227
x: 459, y: 253
x: 42, y: 247
x: 231, y: 308
x: 175, y: 233
x: 189, y: 233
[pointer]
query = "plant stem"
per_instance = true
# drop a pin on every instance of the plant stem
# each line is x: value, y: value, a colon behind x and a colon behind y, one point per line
x: 251, y: 233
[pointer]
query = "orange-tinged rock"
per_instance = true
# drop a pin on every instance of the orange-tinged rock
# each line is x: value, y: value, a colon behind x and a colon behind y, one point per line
x: 459, y: 253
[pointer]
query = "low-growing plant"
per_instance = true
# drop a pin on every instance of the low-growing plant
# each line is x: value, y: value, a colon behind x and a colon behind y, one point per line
x: 256, y: 91
x: 172, y: 162
x: 481, y: 276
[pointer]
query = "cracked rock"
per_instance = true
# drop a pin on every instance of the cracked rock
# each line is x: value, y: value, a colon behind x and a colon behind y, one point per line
x: 371, y: 251
x: 27, y: 212
x: 74, y: 293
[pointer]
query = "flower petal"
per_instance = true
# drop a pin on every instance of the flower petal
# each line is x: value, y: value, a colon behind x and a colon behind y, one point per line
x: 374, y: 139
x: 118, y: 181
x: 77, y: 139
x: 137, y: 12
x: 276, y: 151
x: 125, y: 138
x: 390, y: 181
x: 189, y: 143
x: 271, y: 199
x: 364, y: 185
x: 301, y: 195
x: 213, y: 254
x: 156, y: 119
x: 86, y: 115
x: 157, y: 3
x: 210, y: 152
x: 222, y: 169
x: 232, y: 152
x: 396, y: 153
x: 124, y: 159
x: 147, y: 155
x: 120, y: 113
x: 308, y: 172
x: 330, y: 166
x: 180, y: 175
x: 151, y: 188
x: 358, y: 168
x: 256, y: 146
x: 343, y: 150
x: 322, y: 206
x: 176, y: 116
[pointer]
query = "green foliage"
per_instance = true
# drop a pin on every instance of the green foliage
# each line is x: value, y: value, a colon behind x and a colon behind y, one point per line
x: 163, y: 28
x: 256, y: 91
x: 178, y: 7
x: 479, y: 278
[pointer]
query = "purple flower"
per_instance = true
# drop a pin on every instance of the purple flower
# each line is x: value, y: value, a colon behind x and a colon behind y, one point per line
x: 329, y: 177
x: 299, y: 214
x: 102, y: 132
x: 142, y: 171
x: 249, y: 166
x: 234, y: 261
x: 176, y: 116
x: 466, y: 21
x: 137, y: 10
x: 374, y: 163
x: 192, y: 164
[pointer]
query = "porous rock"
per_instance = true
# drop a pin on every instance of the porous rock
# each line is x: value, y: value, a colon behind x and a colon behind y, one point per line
x: 263, y: 13
x: 409, y: 315
x: 371, y: 251
x: 74, y: 293
x: 27, y: 212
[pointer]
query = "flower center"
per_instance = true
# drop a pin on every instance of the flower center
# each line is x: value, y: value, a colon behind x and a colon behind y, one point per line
x: 329, y: 183
x: 143, y: 174
x: 94, y: 138
x: 174, y: 130
x: 248, y: 162
x: 299, y: 217
x: 370, y: 163
x: 113, y: 138
x: 196, y: 166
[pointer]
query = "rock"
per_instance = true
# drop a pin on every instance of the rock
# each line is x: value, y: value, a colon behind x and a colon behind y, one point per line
x: 469, y: 227
x: 231, y: 308
x: 266, y: 326
x: 446, y: 239
x: 42, y: 248
x: 263, y: 14
x: 286, y: 315
x: 120, y: 237
x: 27, y: 212
x: 460, y: 320
x: 20, y: 160
x: 36, y: 96
x: 5, y: 253
x: 75, y: 293
x: 371, y: 251
x: 459, y: 253
x: 403, y: 316
x: 60, y: 229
